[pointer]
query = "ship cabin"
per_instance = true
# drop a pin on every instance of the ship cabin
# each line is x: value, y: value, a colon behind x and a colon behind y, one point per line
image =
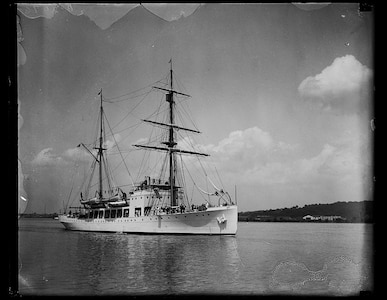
x: 150, y: 197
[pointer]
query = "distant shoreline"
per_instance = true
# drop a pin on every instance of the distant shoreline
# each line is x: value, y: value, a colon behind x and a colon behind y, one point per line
x: 337, y: 212
x: 38, y: 216
x: 303, y: 221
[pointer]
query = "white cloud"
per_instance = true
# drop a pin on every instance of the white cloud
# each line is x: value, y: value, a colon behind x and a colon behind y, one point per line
x: 344, y: 85
x: 46, y: 158
x: 244, y: 150
x: 110, y: 143
x: 78, y: 154
x: 253, y: 156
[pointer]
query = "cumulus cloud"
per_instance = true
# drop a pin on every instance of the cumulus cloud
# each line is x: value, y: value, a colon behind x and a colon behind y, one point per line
x: 243, y: 150
x: 110, y: 143
x: 46, y: 158
x: 345, y: 85
x: 255, y: 157
x: 78, y: 154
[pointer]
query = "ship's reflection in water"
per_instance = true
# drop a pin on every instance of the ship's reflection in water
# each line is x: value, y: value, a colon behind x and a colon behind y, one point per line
x: 158, y: 263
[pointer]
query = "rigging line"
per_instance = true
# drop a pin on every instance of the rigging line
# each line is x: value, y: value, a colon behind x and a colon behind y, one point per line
x: 107, y: 173
x: 220, y: 179
x: 83, y: 182
x: 214, y: 165
x: 132, y: 110
x: 207, y: 177
x: 157, y: 111
x: 181, y: 120
x: 150, y: 138
x: 129, y: 127
x: 141, y: 165
x: 178, y: 81
x: 183, y: 178
x: 115, y: 141
x: 194, y: 182
x: 164, y: 167
x: 72, y: 184
x: 197, y: 157
x: 135, y: 91
x: 188, y: 114
x: 208, y: 166
x: 130, y: 133
x: 126, y: 99
x: 119, y: 164
x: 135, y: 126
x: 92, y: 167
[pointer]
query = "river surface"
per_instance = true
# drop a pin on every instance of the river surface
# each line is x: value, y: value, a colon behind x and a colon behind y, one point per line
x: 263, y: 259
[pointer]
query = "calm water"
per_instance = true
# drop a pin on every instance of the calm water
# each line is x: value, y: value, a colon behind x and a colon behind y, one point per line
x: 264, y: 258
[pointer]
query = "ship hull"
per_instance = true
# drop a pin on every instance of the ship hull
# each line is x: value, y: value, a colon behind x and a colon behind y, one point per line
x: 213, y: 221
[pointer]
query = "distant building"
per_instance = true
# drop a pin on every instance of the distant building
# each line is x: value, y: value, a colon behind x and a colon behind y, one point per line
x: 263, y: 218
x: 322, y: 218
x: 309, y: 218
x: 331, y: 218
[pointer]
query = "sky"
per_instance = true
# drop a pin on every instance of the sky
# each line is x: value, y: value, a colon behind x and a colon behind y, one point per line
x: 106, y: 14
x: 293, y: 132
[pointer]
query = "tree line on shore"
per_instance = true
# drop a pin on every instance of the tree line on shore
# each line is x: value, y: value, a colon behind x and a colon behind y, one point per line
x: 353, y: 212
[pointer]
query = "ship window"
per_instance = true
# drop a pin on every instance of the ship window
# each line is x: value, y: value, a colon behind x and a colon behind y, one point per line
x: 100, y: 214
x: 113, y: 213
x: 137, y: 212
x: 119, y: 213
x: 107, y: 213
x: 95, y: 214
x: 90, y: 214
x: 147, y: 210
x: 126, y: 212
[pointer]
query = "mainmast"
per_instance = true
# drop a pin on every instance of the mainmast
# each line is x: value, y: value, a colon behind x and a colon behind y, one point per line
x: 171, y: 143
x: 171, y: 149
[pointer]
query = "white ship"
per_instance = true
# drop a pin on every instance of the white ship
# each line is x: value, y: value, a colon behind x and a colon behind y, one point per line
x: 156, y: 205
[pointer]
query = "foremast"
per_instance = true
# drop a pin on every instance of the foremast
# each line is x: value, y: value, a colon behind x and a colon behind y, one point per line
x: 171, y: 144
x: 100, y: 151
